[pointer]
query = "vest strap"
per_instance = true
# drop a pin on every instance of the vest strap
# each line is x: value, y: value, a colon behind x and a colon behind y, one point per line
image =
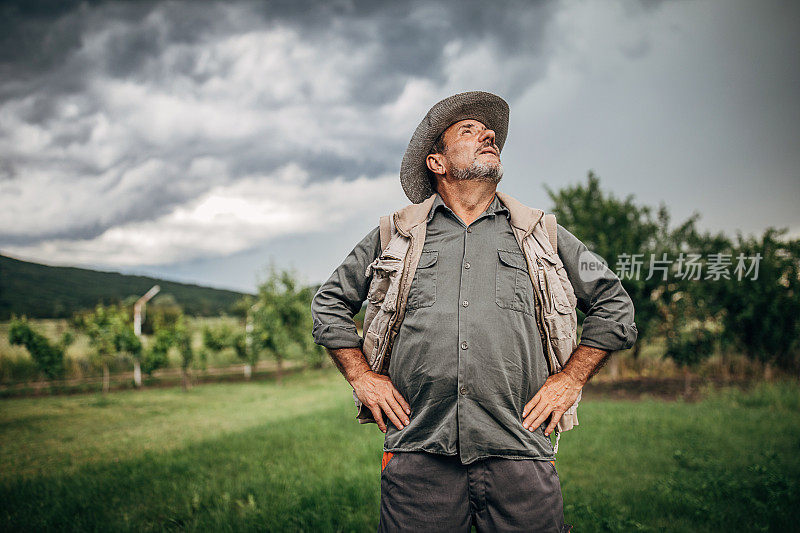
x: 386, y: 231
x: 552, y: 230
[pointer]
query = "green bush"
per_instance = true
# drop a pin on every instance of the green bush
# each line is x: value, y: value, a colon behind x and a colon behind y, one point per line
x: 49, y: 358
x: 156, y: 355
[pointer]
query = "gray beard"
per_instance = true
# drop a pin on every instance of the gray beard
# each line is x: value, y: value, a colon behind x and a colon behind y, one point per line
x: 479, y: 172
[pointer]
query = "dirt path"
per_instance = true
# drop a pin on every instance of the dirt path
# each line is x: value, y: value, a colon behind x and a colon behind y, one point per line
x: 167, y: 377
x: 657, y: 388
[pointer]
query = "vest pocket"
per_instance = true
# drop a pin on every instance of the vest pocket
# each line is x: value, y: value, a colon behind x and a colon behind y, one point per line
x: 561, y: 291
x: 513, y: 288
x: 383, y: 272
x: 561, y: 320
x: 422, y: 292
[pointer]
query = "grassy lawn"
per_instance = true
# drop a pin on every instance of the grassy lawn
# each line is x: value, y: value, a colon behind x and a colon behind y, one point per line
x: 290, y: 456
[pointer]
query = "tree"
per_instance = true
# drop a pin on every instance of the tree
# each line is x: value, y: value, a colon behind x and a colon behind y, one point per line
x: 110, y: 331
x: 183, y: 342
x: 760, y: 310
x: 162, y: 311
x: 102, y: 328
x: 163, y: 316
x: 224, y: 336
x: 156, y: 355
x: 611, y: 227
x: 691, y: 333
x: 125, y: 339
x: 279, y: 319
x: 49, y: 358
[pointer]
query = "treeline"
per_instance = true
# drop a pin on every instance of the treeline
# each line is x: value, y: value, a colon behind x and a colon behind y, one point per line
x: 703, y: 292
x: 42, y: 291
x: 272, y: 324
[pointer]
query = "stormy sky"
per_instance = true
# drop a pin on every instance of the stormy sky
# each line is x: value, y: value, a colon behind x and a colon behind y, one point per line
x: 199, y: 141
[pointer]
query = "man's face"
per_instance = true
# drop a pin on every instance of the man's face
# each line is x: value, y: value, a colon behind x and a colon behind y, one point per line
x: 471, y: 153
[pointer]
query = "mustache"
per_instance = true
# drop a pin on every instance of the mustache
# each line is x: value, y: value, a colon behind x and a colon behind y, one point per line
x: 491, y: 145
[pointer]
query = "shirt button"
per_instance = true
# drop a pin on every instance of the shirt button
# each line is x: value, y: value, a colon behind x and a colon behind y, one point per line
x: 469, y: 230
x: 463, y: 390
x: 464, y: 345
x: 465, y: 303
x: 467, y: 265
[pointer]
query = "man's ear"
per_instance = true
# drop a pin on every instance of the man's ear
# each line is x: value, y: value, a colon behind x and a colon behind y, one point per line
x: 435, y: 163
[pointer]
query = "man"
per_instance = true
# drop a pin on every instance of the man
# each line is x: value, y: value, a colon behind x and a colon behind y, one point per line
x: 468, y: 394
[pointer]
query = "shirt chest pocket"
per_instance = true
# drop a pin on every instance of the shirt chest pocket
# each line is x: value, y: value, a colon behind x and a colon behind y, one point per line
x: 422, y: 292
x: 513, y: 288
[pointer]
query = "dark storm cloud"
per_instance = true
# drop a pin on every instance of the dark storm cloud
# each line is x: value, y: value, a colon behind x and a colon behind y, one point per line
x: 320, y: 166
x: 39, y: 37
x: 73, y: 233
x: 7, y: 170
x: 38, y: 40
x: 412, y: 35
x: 124, y: 113
x: 46, y: 56
x: 36, y: 36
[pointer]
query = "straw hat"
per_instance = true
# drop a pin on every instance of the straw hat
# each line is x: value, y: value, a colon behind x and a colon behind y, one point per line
x: 488, y: 108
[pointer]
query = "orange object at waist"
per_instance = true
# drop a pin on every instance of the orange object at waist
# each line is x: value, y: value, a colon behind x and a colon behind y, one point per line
x: 385, y: 459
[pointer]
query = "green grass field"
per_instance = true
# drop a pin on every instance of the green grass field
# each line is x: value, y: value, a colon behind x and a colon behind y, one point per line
x: 290, y: 456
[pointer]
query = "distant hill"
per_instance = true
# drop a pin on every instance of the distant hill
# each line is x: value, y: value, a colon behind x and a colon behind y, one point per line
x: 41, y: 291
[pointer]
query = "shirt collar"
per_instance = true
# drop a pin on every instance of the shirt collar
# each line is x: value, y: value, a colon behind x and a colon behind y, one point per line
x: 495, y: 207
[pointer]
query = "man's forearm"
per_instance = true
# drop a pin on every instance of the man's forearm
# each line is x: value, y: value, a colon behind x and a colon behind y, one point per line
x: 375, y: 391
x: 585, y: 362
x: 350, y: 362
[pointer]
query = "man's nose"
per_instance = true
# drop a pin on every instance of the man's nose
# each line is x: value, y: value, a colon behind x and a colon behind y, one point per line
x: 487, y: 133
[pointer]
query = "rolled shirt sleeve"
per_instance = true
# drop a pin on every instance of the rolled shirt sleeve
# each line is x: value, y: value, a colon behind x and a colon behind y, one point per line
x: 341, y: 297
x: 609, y: 309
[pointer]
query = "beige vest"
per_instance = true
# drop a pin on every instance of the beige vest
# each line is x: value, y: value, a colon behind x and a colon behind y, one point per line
x: 402, y: 239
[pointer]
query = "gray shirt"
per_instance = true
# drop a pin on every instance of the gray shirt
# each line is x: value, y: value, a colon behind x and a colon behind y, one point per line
x: 468, y: 355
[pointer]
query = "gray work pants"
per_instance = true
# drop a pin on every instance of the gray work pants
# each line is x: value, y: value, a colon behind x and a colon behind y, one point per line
x: 429, y: 492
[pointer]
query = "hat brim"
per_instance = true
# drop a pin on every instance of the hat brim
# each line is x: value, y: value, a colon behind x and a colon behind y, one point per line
x: 485, y: 107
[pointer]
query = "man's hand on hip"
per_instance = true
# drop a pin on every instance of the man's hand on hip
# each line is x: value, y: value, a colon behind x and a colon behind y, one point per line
x: 557, y: 395
x: 374, y: 390
x: 561, y: 390
x: 377, y: 392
